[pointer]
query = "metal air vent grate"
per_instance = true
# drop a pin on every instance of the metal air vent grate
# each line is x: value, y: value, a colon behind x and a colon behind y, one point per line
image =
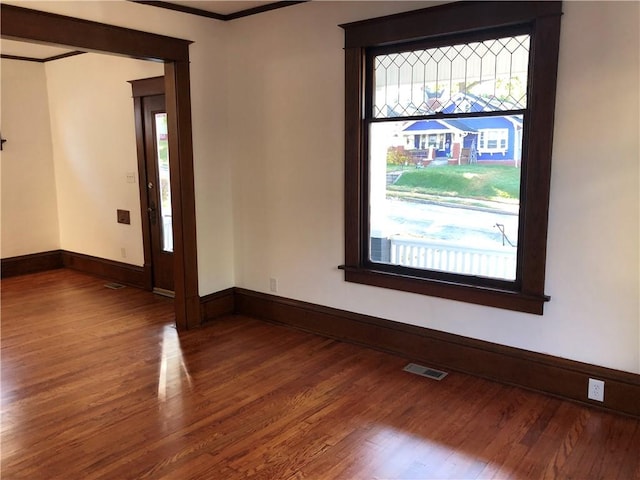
x: 425, y: 371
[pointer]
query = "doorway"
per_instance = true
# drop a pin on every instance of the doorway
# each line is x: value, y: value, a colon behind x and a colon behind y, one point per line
x: 155, y: 183
x: 35, y: 26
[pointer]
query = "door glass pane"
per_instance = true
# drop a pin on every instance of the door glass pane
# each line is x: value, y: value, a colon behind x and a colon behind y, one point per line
x: 162, y: 147
x: 444, y: 194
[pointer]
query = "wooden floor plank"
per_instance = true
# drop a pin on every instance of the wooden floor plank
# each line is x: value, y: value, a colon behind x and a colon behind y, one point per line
x: 98, y: 384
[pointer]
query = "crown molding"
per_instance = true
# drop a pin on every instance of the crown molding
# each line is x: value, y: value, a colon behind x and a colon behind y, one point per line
x: 41, y: 60
x: 217, y: 16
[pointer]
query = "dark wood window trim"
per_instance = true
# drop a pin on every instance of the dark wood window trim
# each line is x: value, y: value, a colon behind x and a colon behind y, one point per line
x: 35, y: 26
x: 542, y: 20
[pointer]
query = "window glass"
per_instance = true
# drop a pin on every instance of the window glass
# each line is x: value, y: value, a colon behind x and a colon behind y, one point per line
x: 162, y: 146
x: 446, y: 206
x: 444, y: 190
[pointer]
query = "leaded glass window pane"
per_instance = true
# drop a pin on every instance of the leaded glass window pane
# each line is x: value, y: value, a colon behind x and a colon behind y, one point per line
x: 486, y: 76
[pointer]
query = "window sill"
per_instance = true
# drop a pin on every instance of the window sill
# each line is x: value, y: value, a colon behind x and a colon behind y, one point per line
x: 493, y: 297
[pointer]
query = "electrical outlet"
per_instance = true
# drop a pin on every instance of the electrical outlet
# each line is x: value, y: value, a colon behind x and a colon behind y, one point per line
x: 131, y: 177
x: 123, y: 252
x: 596, y: 390
x: 273, y: 285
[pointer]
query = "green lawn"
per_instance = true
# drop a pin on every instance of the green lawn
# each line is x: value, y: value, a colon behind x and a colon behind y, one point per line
x: 490, y: 182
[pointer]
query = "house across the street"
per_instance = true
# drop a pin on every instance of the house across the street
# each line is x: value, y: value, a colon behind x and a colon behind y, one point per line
x: 489, y: 140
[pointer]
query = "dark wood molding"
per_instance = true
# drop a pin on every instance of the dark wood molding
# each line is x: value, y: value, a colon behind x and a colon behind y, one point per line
x: 262, y: 9
x: 453, y: 22
x: 62, y: 55
x: 492, y: 297
x: 20, y: 58
x: 181, y: 8
x: 535, y: 371
x: 41, y: 60
x: 40, y: 262
x: 217, y: 304
x: 33, y: 25
x: 183, y: 205
x: 536, y: 183
x: 353, y: 188
x: 146, y: 87
x: 552, y: 375
x: 33, y: 263
x: 459, y: 17
x: 217, y: 16
x: 24, y: 23
x: 124, y: 273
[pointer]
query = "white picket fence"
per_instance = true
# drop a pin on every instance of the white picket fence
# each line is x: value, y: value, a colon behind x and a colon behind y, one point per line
x: 499, y: 262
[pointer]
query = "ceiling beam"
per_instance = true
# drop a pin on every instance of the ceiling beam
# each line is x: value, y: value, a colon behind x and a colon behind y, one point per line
x: 39, y: 27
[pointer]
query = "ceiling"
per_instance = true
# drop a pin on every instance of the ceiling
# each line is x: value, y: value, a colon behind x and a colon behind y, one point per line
x: 221, y: 8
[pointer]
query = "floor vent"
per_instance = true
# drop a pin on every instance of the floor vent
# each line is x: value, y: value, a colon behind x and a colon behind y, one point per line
x: 425, y: 371
x: 114, y: 286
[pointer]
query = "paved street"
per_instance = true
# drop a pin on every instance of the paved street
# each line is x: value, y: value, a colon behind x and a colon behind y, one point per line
x: 471, y: 226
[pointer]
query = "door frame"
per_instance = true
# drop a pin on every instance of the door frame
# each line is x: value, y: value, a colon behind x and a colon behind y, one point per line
x: 144, y: 88
x: 30, y: 25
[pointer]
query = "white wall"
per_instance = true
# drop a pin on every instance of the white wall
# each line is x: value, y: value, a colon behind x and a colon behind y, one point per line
x: 594, y: 249
x: 269, y: 173
x: 94, y: 147
x: 286, y: 129
x: 29, y: 208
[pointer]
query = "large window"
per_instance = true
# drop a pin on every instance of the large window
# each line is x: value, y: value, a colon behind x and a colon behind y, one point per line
x: 449, y: 121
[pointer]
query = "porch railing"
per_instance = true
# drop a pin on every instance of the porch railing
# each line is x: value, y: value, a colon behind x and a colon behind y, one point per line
x: 497, y: 262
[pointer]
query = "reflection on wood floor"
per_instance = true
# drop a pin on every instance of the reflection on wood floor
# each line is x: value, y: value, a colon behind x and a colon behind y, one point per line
x: 97, y: 384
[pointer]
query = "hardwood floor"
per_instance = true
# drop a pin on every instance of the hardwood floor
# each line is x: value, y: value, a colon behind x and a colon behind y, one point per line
x: 97, y: 384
